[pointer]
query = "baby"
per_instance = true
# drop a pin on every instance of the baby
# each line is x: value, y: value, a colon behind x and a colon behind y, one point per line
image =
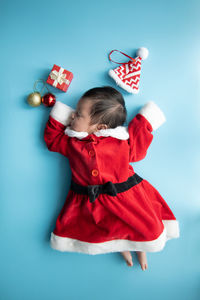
x: 109, y: 208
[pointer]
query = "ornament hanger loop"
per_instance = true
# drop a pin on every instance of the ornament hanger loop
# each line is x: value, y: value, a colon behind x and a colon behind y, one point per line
x: 121, y: 53
x: 44, y: 86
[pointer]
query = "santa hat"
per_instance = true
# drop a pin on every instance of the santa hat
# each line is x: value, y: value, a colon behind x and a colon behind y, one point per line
x: 127, y: 75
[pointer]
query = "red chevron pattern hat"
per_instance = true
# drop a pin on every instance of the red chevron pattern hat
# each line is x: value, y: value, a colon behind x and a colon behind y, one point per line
x: 127, y: 75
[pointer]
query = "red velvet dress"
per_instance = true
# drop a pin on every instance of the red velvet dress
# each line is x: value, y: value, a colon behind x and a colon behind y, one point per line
x: 138, y: 219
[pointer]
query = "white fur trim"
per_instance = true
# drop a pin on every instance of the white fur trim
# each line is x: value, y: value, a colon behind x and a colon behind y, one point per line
x: 153, y: 114
x: 78, y: 134
x: 143, y: 53
x: 64, y: 244
x: 61, y: 112
x: 121, y: 83
x: 172, y: 227
x: 119, y: 132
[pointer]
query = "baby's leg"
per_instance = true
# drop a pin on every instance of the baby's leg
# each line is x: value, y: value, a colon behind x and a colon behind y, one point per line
x: 128, y: 258
x: 142, y: 258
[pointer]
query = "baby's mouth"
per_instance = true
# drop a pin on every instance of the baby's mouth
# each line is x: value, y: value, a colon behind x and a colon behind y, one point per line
x: 71, y: 127
x: 69, y: 124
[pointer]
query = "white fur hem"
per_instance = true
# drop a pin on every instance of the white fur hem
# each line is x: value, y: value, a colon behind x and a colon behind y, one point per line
x: 64, y: 244
x: 122, y: 84
x: 61, y: 112
x: 172, y: 227
x: 153, y: 114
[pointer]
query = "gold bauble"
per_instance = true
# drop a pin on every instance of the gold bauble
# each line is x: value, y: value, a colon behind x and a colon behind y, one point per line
x: 34, y: 99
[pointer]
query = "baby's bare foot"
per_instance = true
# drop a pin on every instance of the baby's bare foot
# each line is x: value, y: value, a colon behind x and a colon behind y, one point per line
x: 142, y: 258
x: 128, y: 258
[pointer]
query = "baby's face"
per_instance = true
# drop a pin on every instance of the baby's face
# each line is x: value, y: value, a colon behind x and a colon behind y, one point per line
x: 80, y: 120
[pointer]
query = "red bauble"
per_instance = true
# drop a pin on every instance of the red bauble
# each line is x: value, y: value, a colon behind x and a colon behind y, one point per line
x: 49, y: 99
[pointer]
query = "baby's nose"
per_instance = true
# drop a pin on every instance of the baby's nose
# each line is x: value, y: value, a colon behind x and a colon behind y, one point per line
x: 72, y: 116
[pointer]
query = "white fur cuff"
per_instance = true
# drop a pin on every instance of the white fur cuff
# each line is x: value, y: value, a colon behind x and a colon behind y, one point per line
x: 61, y: 112
x: 153, y: 114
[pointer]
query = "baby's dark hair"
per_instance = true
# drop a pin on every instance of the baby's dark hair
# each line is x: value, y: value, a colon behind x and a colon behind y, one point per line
x: 108, y: 106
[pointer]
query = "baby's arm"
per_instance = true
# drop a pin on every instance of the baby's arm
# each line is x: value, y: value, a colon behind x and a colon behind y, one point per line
x: 149, y: 118
x: 54, y: 134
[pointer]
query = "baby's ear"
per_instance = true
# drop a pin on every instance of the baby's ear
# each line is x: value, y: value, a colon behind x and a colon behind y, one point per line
x: 102, y: 126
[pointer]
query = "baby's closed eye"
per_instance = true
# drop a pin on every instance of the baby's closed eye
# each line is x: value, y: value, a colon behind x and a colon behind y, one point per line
x: 78, y: 114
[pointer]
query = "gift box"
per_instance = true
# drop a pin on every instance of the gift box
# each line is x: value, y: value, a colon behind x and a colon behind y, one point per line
x: 60, y: 78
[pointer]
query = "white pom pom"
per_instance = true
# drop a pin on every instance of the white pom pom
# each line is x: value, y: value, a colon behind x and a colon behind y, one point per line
x: 143, y: 52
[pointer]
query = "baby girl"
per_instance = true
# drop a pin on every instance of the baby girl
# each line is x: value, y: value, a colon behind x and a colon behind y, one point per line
x: 109, y: 208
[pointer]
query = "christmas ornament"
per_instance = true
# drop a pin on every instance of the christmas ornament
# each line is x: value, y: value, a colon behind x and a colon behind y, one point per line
x: 49, y: 99
x: 35, y: 99
x: 127, y: 76
x: 60, y: 78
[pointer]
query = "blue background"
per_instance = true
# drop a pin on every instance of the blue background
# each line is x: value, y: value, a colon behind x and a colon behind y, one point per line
x: 78, y: 35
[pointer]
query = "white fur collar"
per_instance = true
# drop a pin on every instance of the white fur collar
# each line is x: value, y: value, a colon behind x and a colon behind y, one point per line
x: 119, y: 132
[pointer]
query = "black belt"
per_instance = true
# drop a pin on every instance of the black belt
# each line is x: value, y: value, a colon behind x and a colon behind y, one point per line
x: 112, y: 189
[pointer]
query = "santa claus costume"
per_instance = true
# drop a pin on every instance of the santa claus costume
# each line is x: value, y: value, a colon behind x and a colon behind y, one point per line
x: 109, y: 208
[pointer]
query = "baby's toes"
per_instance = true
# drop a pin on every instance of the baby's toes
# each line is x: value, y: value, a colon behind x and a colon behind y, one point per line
x: 144, y: 266
x: 129, y: 263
